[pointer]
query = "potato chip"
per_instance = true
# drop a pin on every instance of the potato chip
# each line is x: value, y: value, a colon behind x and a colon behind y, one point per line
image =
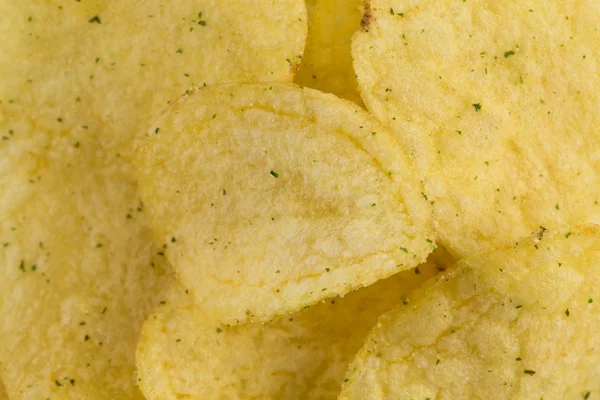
x: 327, y: 61
x: 497, y: 102
x: 79, y: 270
x: 115, y: 64
x: 184, y: 353
x: 273, y: 197
x: 521, y: 322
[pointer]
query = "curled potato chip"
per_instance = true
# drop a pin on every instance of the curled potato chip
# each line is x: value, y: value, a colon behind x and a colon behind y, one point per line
x: 110, y: 64
x: 184, y: 353
x: 327, y: 60
x: 272, y: 197
x: 79, y: 270
x: 499, y: 110
x: 521, y: 322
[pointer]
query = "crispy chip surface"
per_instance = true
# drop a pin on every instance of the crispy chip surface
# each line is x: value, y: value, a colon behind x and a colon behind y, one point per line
x: 272, y: 197
x: 521, y: 322
x: 497, y: 101
x: 327, y: 60
x: 119, y: 63
x: 79, y: 268
x: 184, y: 353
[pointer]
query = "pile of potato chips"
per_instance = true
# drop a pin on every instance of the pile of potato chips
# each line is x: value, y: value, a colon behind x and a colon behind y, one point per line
x: 330, y: 199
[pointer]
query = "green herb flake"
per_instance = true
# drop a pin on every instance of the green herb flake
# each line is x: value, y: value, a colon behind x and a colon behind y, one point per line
x: 219, y: 330
x: 477, y: 107
x: 95, y: 20
x: 404, y: 249
x: 273, y: 173
x: 509, y: 53
x: 567, y: 312
x: 201, y: 22
x: 590, y: 300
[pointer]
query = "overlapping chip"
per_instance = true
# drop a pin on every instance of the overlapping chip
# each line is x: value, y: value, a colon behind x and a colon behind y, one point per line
x: 79, y: 268
x: 273, y: 197
x: 497, y: 102
x: 327, y: 61
x: 521, y: 322
x: 184, y: 353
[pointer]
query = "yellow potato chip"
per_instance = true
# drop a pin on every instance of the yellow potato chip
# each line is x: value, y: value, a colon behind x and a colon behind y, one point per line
x: 521, y: 322
x: 273, y: 197
x: 184, y: 353
x: 113, y: 64
x: 327, y: 60
x: 497, y: 102
x: 79, y: 272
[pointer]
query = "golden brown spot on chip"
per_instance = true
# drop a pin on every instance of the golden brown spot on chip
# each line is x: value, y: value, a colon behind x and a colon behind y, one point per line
x: 367, y: 17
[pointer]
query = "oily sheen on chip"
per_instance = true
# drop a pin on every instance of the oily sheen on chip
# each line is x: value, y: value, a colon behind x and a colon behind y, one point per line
x: 271, y: 197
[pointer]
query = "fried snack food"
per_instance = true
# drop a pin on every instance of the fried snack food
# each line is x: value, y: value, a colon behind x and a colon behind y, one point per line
x: 519, y: 322
x: 184, y: 353
x: 273, y: 197
x: 497, y: 102
x: 327, y: 60
x: 79, y: 268
x: 116, y: 64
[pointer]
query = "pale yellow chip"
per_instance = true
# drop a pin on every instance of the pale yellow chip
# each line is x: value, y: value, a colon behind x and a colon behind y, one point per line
x: 184, y: 353
x: 273, y: 197
x: 327, y: 61
x: 113, y: 64
x: 497, y: 102
x: 79, y: 268
x: 79, y: 271
x: 522, y: 322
